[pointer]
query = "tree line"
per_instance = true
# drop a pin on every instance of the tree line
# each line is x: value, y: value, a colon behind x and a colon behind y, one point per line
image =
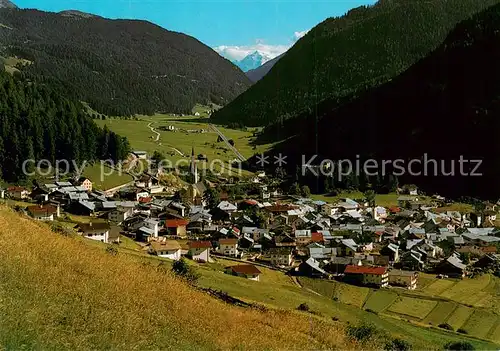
x: 36, y: 122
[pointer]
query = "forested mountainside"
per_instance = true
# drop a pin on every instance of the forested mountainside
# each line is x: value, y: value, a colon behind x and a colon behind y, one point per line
x: 447, y: 105
x: 340, y: 56
x: 38, y: 123
x: 120, y: 67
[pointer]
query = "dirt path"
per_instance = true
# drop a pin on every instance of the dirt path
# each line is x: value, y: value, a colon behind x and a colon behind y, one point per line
x: 154, y: 131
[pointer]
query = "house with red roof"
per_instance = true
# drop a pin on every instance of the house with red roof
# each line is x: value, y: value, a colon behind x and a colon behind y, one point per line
x: 176, y: 227
x: 317, y: 238
x: 17, y: 192
x: 199, y: 250
x: 247, y: 271
x: 368, y: 276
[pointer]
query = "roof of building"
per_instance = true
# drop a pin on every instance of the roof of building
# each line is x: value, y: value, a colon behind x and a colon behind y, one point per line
x: 244, y: 269
x: 226, y: 206
x: 200, y: 245
x: 229, y: 241
x: 42, y: 209
x: 399, y: 272
x: 169, y: 245
x: 280, y: 251
x: 92, y: 227
x: 175, y: 223
x: 317, y: 237
x: 365, y: 270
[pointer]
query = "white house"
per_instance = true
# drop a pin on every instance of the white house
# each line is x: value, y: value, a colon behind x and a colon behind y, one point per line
x: 167, y: 249
x: 43, y: 212
x: 200, y: 250
x: 228, y: 247
x: 95, y: 231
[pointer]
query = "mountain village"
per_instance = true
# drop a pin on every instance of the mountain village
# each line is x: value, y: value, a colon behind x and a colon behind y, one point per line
x: 348, y: 240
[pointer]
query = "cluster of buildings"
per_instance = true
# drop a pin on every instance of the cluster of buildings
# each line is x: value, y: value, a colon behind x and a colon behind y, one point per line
x: 348, y: 240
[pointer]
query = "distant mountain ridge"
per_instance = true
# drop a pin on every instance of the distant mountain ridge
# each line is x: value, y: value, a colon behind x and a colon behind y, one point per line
x: 366, y: 47
x: 252, y: 61
x: 6, y: 4
x: 77, y: 13
x: 119, y: 67
x: 258, y: 73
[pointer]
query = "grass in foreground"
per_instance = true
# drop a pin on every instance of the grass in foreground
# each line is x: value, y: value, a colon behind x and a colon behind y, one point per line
x: 59, y: 293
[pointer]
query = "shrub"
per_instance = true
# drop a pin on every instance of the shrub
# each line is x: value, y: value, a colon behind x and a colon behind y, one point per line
x: 397, y: 345
x: 303, y: 307
x: 462, y: 331
x: 361, y: 332
x: 183, y: 270
x: 445, y: 326
x: 459, y: 346
x: 111, y: 250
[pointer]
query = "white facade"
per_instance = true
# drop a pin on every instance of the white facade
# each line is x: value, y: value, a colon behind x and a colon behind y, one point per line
x: 98, y: 236
x: 170, y: 254
x: 200, y: 254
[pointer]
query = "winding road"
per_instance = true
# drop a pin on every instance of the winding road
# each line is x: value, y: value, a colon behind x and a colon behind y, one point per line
x: 154, y: 131
x: 223, y: 137
x: 158, y: 139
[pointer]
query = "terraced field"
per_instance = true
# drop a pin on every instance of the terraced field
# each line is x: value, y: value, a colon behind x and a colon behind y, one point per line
x: 469, y: 291
x: 480, y: 323
x: 439, y: 287
x: 413, y: 307
x: 379, y: 300
x: 440, y: 313
x: 460, y: 316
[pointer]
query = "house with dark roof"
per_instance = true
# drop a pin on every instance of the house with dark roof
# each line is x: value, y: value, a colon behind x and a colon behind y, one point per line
x: 367, y: 276
x: 43, y: 212
x: 247, y: 271
x: 452, y: 267
x: 311, y: 268
x: 199, y: 250
x: 95, y: 231
x: 337, y: 265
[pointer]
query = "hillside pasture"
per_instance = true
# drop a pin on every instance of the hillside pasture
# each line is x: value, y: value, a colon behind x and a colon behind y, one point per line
x: 379, y: 300
x: 440, y: 313
x: 480, y: 323
x: 460, y: 316
x: 413, y: 307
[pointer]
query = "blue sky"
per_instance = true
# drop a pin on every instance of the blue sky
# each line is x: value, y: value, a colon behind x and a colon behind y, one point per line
x: 263, y: 24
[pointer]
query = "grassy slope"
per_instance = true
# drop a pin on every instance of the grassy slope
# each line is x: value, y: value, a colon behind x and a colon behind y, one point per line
x: 140, y: 138
x: 60, y: 293
x: 68, y: 272
x: 427, y: 306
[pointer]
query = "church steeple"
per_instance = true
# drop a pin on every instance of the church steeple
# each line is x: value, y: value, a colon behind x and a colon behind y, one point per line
x: 194, y: 168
